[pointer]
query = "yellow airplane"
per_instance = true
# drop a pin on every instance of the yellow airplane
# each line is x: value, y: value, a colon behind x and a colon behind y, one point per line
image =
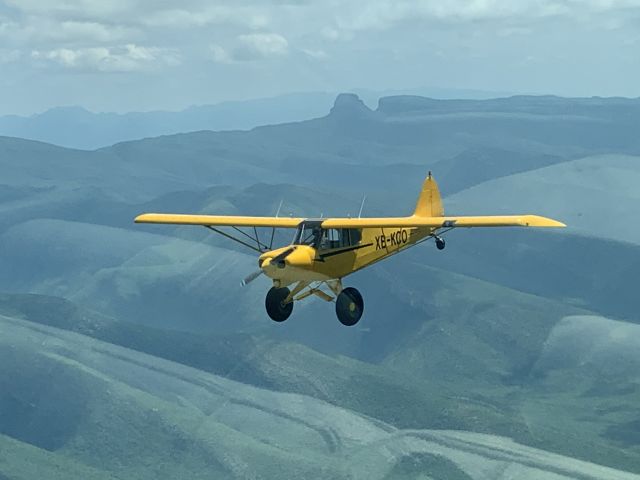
x: 326, y: 250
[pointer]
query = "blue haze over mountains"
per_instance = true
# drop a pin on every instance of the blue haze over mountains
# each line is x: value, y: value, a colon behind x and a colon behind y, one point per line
x: 130, y: 351
x: 76, y: 127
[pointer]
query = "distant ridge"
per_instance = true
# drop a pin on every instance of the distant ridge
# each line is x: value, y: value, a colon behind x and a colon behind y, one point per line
x: 77, y: 127
x: 519, y: 103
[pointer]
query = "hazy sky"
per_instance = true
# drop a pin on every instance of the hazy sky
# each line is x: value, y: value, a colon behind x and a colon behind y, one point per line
x: 122, y: 55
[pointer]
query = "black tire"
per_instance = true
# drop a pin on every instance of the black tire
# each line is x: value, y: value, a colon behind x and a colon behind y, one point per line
x: 349, y: 306
x: 440, y: 243
x: 275, y: 309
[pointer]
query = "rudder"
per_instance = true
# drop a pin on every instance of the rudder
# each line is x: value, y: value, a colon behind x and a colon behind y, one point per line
x: 429, y: 202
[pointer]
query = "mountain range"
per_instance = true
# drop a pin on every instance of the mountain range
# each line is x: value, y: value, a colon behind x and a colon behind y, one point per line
x: 131, y: 351
x: 77, y: 127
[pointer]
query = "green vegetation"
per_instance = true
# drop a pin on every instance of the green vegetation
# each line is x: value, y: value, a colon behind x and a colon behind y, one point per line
x: 21, y: 461
x: 426, y: 466
x: 137, y: 355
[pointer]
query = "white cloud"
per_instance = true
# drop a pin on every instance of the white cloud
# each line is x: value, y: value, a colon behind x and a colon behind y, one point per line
x: 129, y: 58
x: 76, y: 9
x: 9, y: 56
x: 330, y: 33
x: 387, y: 13
x: 384, y: 14
x: 603, y: 5
x: 329, y: 17
x: 38, y: 31
x: 75, y: 32
x: 511, y: 31
x: 317, y: 44
x: 51, y: 24
x: 209, y: 15
x: 159, y: 13
x: 261, y: 45
x: 317, y: 54
x: 8, y: 27
x: 335, y: 34
x: 219, y: 54
x: 249, y: 47
x: 91, y: 31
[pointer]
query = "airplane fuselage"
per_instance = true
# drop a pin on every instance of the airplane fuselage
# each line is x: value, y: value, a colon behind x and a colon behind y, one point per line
x: 319, y: 260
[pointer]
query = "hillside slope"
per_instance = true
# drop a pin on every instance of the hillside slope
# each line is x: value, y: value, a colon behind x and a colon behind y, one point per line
x: 595, y: 196
x: 191, y: 423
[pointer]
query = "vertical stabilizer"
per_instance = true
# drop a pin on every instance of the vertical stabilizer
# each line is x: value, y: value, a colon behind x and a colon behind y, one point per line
x: 429, y: 202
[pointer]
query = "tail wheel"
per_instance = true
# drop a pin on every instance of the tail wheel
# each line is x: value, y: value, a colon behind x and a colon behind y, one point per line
x: 276, y: 309
x: 349, y: 306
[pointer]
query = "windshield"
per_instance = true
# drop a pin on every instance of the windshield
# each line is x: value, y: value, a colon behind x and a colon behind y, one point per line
x: 308, y: 234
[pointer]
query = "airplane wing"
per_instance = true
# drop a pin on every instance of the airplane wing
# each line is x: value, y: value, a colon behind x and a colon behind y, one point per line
x: 218, y: 220
x: 407, y: 222
x: 444, y: 222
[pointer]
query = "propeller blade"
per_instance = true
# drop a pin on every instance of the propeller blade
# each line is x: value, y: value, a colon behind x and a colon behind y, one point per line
x: 250, y: 278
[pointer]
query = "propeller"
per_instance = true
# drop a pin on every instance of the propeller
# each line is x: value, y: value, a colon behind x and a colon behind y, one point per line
x: 250, y: 278
x: 278, y: 261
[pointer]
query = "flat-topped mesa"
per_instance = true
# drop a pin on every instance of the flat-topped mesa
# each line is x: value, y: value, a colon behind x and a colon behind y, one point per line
x: 535, y: 104
x: 407, y: 103
x: 349, y: 105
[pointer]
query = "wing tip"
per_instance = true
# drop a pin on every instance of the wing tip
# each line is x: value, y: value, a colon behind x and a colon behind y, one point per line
x: 538, y: 221
x: 143, y: 218
x: 218, y: 220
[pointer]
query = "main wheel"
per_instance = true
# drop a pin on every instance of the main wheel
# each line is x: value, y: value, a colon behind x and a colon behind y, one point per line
x: 276, y: 309
x: 349, y: 306
x: 440, y: 244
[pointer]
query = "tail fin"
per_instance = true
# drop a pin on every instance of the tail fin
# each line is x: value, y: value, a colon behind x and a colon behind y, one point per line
x: 429, y: 202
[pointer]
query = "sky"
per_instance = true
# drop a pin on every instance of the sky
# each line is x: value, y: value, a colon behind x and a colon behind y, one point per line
x: 136, y: 55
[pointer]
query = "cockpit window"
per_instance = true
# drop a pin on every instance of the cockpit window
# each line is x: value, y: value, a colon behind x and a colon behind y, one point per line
x: 337, y: 238
x: 308, y: 234
x: 330, y: 239
x: 325, y: 239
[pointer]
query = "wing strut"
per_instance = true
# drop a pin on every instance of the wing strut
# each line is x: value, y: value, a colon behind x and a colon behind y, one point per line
x: 258, y: 249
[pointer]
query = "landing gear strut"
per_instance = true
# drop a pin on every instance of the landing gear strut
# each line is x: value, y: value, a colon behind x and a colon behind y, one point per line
x: 349, y: 306
x: 276, y: 308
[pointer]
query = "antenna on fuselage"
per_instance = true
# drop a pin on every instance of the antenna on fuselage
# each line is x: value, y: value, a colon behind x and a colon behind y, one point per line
x: 364, y: 197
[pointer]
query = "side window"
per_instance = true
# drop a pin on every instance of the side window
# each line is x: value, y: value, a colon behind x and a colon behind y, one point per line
x: 334, y: 238
x: 350, y: 236
x: 330, y: 238
x: 344, y: 237
x: 355, y: 235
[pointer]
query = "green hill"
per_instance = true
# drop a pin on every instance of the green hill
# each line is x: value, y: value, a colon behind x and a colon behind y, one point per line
x: 123, y: 414
x: 595, y: 196
x: 457, y: 365
x: 524, y: 334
